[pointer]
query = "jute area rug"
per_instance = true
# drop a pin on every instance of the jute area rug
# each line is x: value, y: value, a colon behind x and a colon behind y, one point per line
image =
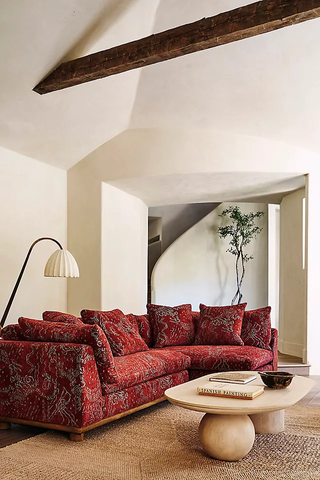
x: 162, y: 443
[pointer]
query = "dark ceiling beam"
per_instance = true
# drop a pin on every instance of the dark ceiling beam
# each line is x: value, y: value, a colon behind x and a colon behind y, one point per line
x: 244, y: 22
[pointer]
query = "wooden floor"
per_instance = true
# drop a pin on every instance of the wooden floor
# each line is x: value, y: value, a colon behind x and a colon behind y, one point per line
x: 17, y: 433
x: 21, y: 432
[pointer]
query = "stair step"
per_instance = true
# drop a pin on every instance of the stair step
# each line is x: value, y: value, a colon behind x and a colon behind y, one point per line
x: 296, y: 369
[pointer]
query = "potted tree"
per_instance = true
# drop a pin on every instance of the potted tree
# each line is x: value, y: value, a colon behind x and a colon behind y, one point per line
x: 242, y: 230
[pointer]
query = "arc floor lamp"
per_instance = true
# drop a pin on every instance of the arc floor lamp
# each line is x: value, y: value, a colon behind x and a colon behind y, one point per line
x: 60, y: 264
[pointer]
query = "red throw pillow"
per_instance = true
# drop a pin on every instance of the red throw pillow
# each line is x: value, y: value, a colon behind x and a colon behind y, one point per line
x: 256, y: 328
x: 220, y: 325
x: 144, y: 328
x: 92, y: 335
x: 121, y: 330
x: 60, y: 317
x: 171, y: 325
x: 12, y: 332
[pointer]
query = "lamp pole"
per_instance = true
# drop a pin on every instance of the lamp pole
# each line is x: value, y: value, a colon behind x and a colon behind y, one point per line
x: 14, y: 291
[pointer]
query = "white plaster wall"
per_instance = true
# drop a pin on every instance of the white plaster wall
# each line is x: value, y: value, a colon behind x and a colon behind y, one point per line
x: 313, y: 269
x: 84, y: 240
x: 196, y: 267
x: 33, y: 200
x: 149, y: 153
x: 124, y: 240
x: 274, y: 262
x: 292, y: 319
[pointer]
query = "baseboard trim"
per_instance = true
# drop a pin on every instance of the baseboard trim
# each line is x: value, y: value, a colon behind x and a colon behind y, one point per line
x: 294, y: 349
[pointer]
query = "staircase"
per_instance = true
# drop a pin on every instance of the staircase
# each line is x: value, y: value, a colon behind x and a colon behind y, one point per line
x: 288, y: 363
x: 166, y: 224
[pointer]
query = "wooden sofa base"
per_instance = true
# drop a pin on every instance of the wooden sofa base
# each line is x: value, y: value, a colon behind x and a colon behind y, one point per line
x: 75, y: 434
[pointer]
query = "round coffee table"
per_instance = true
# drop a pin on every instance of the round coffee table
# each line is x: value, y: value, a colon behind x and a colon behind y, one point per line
x: 227, y: 431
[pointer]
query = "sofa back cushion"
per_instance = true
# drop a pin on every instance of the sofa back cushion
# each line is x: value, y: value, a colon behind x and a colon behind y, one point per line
x: 195, y: 319
x: 121, y: 330
x: 256, y: 328
x: 144, y: 326
x: 220, y: 325
x: 171, y: 325
x: 92, y: 335
x: 60, y: 317
x: 12, y: 332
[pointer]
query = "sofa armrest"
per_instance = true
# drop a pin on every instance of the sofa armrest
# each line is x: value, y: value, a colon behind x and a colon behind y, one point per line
x: 55, y: 383
x: 274, y: 347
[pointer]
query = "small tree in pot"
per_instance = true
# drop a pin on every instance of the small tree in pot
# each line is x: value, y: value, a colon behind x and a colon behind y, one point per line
x: 241, y: 231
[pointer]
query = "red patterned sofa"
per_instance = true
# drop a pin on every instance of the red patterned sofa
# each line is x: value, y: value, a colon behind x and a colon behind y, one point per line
x: 74, y: 374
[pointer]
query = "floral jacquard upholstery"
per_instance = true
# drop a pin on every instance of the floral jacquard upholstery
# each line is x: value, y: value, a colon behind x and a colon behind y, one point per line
x: 142, y: 366
x: 12, y: 332
x: 193, y: 374
x: 221, y: 358
x: 142, y: 393
x: 55, y: 383
x: 256, y: 328
x: 121, y: 330
x: 64, y: 374
x: 171, y: 325
x: 88, y: 334
x: 144, y: 328
x: 60, y: 317
x: 195, y: 319
x: 220, y: 325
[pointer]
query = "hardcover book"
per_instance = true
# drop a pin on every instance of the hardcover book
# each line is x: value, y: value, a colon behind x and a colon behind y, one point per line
x: 245, y: 392
x: 233, y: 377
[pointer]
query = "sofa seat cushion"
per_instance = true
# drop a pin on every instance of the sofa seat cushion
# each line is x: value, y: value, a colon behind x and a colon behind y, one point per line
x: 220, y: 358
x: 149, y: 391
x: 139, y: 367
x: 193, y: 374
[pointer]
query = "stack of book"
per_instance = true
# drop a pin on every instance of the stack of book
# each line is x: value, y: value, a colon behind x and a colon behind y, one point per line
x: 231, y: 385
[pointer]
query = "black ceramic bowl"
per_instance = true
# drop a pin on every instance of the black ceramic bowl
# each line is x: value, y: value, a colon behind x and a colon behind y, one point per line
x: 276, y: 379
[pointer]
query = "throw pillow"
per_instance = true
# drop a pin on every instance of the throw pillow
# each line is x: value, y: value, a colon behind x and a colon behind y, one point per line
x: 144, y: 328
x: 220, y: 325
x: 121, y: 330
x: 171, y: 325
x: 256, y: 328
x: 12, y: 332
x: 92, y: 335
x: 60, y: 317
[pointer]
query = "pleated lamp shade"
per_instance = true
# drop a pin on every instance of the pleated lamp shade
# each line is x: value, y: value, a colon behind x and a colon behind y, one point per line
x: 61, y: 264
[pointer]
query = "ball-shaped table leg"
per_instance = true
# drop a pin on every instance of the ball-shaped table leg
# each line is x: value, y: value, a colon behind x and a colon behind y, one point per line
x: 226, y: 437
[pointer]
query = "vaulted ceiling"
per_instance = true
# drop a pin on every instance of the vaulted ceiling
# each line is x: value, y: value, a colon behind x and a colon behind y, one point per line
x: 266, y: 86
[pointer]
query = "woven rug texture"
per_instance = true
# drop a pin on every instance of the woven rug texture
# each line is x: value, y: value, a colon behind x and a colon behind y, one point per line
x: 162, y: 442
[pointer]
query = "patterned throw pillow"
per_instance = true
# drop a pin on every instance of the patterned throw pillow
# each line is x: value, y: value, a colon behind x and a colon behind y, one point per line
x: 144, y: 328
x: 121, y: 330
x: 171, y: 325
x: 256, y: 328
x: 60, y: 317
x: 92, y: 335
x: 12, y: 332
x: 220, y: 325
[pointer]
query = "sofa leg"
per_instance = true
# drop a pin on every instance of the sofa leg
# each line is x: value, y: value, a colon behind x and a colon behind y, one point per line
x: 5, y: 425
x: 76, y: 437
